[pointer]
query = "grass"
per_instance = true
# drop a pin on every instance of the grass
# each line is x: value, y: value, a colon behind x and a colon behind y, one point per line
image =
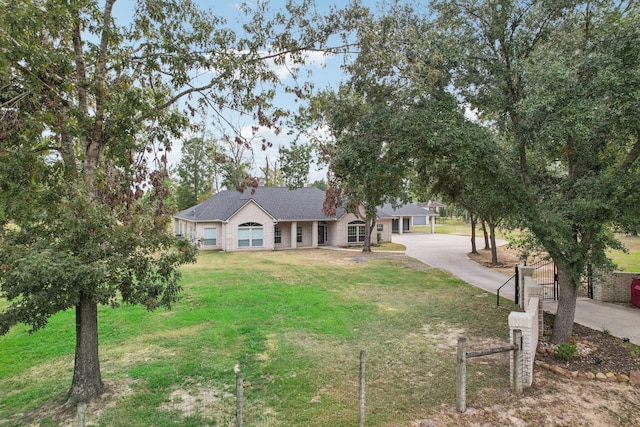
x: 627, y: 261
x: 293, y: 323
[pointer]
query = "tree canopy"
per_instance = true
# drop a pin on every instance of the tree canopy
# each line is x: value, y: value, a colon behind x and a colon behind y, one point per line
x: 555, y: 79
x: 196, y: 170
x: 554, y: 149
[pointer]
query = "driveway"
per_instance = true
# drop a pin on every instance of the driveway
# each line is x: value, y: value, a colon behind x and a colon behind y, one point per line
x: 449, y: 252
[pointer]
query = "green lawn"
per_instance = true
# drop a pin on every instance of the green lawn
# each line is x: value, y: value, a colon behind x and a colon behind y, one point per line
x: 293, y: 323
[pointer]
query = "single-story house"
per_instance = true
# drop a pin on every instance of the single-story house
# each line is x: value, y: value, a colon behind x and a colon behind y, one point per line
x: 270, y: 218
x: 407, y: 215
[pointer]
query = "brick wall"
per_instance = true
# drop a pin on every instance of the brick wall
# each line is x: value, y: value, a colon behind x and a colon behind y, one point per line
x: 613, y: 287
x: 529, y: 322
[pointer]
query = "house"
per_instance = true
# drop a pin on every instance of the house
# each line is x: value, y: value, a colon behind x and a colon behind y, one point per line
x: 408, y: 215
x: 270, y: 218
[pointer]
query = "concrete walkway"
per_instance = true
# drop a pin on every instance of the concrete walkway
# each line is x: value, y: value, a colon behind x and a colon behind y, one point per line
x: 449, y: 252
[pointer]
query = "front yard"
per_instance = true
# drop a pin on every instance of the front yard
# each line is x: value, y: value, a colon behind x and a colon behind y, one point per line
x: 293, y: 323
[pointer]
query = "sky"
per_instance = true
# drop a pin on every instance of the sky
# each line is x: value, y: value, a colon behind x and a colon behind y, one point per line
x: 325, y: 72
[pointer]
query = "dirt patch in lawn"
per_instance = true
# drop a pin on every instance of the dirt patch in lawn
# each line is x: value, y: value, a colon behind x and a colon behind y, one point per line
x: 552, y: 401
x: 507, y: 259
x: 561, y: 399
x: 64, y: 413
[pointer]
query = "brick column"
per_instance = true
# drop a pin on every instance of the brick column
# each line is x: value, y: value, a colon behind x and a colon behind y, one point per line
x: 533, y: 292
x: 523, y: 321
x: 294, y: 235
x: 314, y: 234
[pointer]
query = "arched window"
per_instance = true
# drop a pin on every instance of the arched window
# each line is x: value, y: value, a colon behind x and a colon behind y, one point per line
x: 355, y: 232
x: 250, y: 234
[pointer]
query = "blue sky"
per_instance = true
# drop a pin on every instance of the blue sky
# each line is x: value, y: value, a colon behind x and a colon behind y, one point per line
x: 325, y: 71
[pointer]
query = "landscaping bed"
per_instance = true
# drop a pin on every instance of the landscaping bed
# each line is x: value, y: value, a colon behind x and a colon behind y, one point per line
x: 596, y: 351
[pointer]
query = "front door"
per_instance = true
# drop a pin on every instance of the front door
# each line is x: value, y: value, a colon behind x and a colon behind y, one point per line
x: 322, y: 234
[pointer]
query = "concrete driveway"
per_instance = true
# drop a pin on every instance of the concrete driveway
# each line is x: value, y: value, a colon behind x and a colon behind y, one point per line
x: 449, y: 252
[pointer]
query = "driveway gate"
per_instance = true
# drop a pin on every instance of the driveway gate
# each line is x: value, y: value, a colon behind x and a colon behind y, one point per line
x: 545, y: 274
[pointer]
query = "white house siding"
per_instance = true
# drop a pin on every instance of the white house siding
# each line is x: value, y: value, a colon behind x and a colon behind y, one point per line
x: 307, y: 236
x: 338, y: 230
x: 184, y: 229
x: 386, y: 230
x: 227, y: 233
x: 285, y: 232
x: 200, y: 234
x: 250, y: 213
x: 194, y: 232
x: 289, y: 234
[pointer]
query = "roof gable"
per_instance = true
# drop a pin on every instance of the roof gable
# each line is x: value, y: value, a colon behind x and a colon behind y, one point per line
x: 281, y: 203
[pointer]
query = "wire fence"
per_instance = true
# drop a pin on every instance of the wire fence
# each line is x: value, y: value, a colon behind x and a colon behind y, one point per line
x: 356, y: 401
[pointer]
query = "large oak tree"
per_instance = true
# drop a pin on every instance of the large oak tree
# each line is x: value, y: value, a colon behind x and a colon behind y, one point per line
x: 559, y: 82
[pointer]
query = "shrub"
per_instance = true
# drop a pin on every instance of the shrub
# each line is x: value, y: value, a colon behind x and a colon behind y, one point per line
x: 567, y: 351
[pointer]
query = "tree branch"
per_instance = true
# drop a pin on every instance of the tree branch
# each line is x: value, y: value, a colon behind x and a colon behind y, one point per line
x: 632, y: 156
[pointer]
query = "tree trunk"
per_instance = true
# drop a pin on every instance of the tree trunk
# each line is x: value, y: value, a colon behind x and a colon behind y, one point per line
x: 494, y: 248
x: 368, y: 228
x: 486, y: 235
x: 563, y: 325
x: 87, y: 382
x: 474, y: 249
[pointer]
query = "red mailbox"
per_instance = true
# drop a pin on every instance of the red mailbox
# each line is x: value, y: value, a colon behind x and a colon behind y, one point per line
x: 635, y: 292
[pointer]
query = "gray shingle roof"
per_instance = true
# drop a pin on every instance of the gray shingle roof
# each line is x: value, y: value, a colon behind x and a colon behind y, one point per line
x: 279, y: 202
x: 283, y: 204
x: 408, y: 209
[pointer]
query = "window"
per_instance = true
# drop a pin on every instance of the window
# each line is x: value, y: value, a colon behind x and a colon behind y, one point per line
x: 210, y: 236
x: 277, y: 234
x: 380, y: 228
x: 355, y: 232
x: 299, y: 234
x: 250, y: 235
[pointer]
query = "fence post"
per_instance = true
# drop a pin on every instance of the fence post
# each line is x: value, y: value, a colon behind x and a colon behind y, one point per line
x: 517, y: 361
x: 517, y: 282
x: 461, y: 377
x: 82, y: 411
x: 362, y: 391
x: 239, y: 399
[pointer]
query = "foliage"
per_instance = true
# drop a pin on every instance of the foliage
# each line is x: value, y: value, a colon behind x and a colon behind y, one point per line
x: 365, y: 170
x: 566, y: 350
x: 369, y: 162
x: 294, y: 164
x: 90, y: 111
x: 271, y: 174
x: 320, y: 184
x: 196, y: 169
x: 544, y: 76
